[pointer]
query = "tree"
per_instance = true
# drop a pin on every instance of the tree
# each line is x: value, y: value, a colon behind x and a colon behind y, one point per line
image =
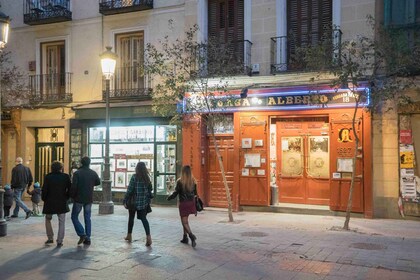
x: 14, y: 93
x: 194, y: 76
x: 388, y: 62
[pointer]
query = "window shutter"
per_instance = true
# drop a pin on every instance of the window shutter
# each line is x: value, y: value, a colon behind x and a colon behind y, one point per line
x: 308, y: 22
x: 226, y: 20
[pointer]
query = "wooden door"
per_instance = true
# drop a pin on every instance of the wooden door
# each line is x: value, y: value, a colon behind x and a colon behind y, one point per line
x: 217, y: 193
x: 130, y: 51
x: 303, y: 162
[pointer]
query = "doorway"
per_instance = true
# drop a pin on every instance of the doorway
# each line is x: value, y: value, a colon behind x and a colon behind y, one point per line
x: 303, y: 160
x: 46, y: 154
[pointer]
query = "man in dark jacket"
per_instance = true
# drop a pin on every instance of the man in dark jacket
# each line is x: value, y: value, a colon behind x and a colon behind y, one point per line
x: 83, y: 182
x: 21, y: 179
x: 55, y: 194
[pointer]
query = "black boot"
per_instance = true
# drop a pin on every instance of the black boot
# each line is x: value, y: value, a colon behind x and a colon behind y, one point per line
x: 184, y: 239
x: 193, y: 238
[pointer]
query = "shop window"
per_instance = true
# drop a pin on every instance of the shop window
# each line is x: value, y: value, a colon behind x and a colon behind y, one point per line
x: 223, y: 124
x: 402, y: 12
x: 166, y: 133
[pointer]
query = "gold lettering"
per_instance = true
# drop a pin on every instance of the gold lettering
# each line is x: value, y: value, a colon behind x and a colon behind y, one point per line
x: 298, y: 99
x: 229, y: 103
x: 220, y: 103
x: 280, y: 100
x: 245, y: 102
x: 238, y: 102
x: 271, y: 101
x: 289, y: 100
x: 306, y: 99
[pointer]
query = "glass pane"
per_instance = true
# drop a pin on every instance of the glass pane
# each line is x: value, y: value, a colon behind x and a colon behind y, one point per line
x: 141, y: 150
x: 291, y: 156
x: 95, y: 150
x: 165, y: 157
x: 97, y: 134
x: 165, y: 184
x: 132, y: 134
x: 166, y: 133
x: 318, y: 157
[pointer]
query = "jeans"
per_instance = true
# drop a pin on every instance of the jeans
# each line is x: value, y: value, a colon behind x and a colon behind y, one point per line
x: 61, y: 227
x: 87, y: 210
x: 17, y: 194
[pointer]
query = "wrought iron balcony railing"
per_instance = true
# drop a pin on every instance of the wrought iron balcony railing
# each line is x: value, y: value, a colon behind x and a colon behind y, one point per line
x: 50, y: 88
x: 235, y: 53
x: 37, y: 12
x: 283, y: 53
x: 112, y: 7
x: 129, y: 83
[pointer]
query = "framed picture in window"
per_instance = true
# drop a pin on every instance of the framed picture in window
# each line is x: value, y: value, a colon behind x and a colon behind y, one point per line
x: 97, y: 168
x: 112, y: 164
x: 120, y: 180
x: 121, y: 163
x: 131, y: 164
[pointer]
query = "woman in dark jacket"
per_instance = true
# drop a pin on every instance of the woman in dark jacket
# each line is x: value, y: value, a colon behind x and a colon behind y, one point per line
x: 55, y: 194
x: 186, y: 190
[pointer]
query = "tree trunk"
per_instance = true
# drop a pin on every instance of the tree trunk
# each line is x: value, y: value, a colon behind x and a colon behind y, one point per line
x: 353, y: 175
x: 222, y: 170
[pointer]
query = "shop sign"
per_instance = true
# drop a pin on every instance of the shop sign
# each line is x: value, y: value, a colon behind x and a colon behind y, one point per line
x: 284, y: 100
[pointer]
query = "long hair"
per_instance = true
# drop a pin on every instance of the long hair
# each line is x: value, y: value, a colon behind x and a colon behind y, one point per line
x: 142, y: 174
x: 187, y: 180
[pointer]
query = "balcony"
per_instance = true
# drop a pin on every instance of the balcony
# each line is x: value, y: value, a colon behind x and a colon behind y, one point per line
x: 283, y: 53
x: 112, y: 7
x: 36, y: 12
x: 237, y: 56
x: 129, y: 83
x: 50, y: 88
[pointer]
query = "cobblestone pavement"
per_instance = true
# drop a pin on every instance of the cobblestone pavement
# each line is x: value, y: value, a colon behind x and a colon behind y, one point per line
x: 255, y: 246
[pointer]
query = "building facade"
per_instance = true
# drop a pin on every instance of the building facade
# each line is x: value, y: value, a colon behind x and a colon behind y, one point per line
x: 276, y: 140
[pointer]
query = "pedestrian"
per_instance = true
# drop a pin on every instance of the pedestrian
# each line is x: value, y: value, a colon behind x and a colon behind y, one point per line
x: 141, y: 185
x: 55, y: 193
x: 186, y: 190
x: 81, y: 191
x: 8, y: 201
x: 21, y: 179
x: 35, y: 198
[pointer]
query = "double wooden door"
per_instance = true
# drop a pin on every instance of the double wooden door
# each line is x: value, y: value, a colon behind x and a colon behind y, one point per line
x: 303, y: 161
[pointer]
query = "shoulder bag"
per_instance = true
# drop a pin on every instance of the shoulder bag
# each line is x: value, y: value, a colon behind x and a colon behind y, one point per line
x: 198, y: 204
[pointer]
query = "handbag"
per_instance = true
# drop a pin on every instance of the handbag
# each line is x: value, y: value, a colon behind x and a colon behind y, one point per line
x: 148, y: 208
x: 131, y: 201
x: 198, y: 204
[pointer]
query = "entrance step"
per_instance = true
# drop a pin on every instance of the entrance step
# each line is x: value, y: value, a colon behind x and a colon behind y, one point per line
x: 305, y: 209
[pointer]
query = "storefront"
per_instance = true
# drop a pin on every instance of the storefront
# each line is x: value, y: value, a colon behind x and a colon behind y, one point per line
x: 150, y: 140
x: 293, y: 139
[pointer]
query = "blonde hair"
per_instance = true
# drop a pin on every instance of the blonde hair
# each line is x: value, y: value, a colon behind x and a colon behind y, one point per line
x: 187, y: 180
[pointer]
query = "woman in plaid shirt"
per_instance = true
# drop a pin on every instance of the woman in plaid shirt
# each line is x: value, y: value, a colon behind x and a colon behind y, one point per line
x: 140, y: 184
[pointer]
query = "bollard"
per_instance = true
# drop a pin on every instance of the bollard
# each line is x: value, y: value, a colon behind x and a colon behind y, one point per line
x: 3, y: 224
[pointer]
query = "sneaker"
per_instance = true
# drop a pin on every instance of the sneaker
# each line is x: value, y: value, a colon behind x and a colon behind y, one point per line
x: 14, y: 216
x: 28, y: 214
x: 86, y: 242
x: 7, y: 218
x: 49, y: 241
x: 81, y: 240
x: 59, y: 245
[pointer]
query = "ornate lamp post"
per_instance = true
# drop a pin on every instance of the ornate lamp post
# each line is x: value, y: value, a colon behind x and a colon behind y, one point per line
x: 4, y: 35
x: 108, y: 62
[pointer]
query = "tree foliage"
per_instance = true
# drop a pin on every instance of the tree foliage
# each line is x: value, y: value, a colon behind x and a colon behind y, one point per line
x: 14, y: 92
x: 387, y: 62
x: 190, y: 78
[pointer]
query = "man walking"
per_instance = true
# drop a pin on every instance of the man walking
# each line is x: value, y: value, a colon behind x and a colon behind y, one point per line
x: 21, y: 179
x: 84, y: 179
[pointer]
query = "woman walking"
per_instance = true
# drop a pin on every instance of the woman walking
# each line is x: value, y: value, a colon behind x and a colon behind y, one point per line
x: 55, y: 193
x: 186, y: 190
x: 141, y: 186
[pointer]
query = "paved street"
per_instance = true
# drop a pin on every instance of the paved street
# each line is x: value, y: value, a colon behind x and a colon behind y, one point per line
x: 255, y: 246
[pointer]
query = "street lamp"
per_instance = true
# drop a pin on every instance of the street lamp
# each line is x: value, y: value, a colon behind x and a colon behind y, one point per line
x: 108, y: 62
x: 4, y: 35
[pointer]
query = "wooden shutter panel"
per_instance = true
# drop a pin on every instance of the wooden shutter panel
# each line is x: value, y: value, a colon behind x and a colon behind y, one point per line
x: 308, y: 22
x: 226, y: 20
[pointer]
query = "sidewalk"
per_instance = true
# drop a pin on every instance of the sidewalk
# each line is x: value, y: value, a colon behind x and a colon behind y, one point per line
x: 255, y: 246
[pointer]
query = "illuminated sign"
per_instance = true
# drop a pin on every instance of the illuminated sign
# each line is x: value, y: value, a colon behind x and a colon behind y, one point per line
x: 288, y: 100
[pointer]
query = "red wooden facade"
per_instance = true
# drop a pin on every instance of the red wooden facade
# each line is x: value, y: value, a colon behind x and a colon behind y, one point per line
x: 308, y: 151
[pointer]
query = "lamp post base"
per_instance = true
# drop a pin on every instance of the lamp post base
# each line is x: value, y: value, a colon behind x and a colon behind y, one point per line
x: 3, y: 228
x: 106, y: 208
